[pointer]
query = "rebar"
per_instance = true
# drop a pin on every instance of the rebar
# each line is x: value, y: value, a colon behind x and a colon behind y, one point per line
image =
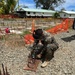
x: 4, y: 70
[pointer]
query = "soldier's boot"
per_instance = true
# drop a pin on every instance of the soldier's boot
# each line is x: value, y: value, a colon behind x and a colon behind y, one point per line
x: 44, y: 64
x: 39, y: 56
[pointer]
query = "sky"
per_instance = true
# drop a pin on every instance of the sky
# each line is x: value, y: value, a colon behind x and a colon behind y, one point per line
x: 68, y: 5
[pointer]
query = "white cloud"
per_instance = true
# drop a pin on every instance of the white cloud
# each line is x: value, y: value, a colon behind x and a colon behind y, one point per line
x: 30, y: 5
x: 67, y: 4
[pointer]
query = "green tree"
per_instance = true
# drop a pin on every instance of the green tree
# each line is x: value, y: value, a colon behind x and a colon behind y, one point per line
x: 63, y: 9
x: 1, y: 6
x: 56, y: 15
x: 48, y: 4
x: 10, y: 5
x: 1, y: 11
x: 7, y: 5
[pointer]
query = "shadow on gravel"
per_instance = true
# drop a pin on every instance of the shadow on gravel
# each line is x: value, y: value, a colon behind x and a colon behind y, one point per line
x: 69, y: 39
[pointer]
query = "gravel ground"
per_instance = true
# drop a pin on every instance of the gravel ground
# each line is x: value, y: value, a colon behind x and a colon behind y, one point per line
x: 63, y: 63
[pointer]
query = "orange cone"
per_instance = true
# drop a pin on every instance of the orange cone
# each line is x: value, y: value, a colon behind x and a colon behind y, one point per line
x: 33, y: 26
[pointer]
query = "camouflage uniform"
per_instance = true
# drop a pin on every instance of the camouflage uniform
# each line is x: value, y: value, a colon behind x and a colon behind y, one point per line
x: 49, y: 46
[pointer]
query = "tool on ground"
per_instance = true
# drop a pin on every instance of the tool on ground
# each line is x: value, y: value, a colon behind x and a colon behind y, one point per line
x: 33, y: 60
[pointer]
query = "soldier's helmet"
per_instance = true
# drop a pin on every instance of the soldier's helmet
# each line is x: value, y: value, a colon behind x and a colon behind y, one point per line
x: 37, y: 34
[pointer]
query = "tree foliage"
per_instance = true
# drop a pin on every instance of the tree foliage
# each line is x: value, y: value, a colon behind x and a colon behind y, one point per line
x: 63, y: 9
x: 48, y: 4
x: 7, y: 6
x: 1, y: 6
x: 56, y: 15
x: 24, y: 6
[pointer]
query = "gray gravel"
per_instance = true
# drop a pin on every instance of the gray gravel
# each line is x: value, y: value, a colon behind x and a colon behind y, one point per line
x: 63, y: 63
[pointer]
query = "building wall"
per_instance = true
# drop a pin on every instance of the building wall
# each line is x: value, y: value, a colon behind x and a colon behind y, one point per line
x: 39, y: 14
x: 71, y: 15
x: 21, y: 14
x: 65, y: 15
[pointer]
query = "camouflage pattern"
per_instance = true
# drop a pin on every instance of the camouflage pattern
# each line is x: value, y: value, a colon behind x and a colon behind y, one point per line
x: 49, y: 46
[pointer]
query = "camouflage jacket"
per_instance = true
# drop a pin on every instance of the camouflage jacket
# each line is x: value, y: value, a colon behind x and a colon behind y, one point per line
x: 46, y: 39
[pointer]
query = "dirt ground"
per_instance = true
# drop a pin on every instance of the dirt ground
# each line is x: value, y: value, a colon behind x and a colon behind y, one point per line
x: 14, y: 53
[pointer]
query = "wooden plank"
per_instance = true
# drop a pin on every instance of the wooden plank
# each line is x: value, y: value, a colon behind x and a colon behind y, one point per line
x: 32, y: 66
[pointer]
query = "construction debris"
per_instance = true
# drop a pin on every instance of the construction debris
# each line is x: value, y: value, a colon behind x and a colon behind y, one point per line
x: 4, y: 71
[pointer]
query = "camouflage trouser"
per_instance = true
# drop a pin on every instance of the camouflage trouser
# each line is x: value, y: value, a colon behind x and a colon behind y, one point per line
x: 48, y: 53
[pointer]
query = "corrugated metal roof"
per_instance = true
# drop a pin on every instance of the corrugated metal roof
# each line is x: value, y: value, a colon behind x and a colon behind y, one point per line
x: 36, y: 10
x: 69, y: 12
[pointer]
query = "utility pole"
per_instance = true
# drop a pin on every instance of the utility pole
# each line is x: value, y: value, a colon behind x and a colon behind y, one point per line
x: 18, y: 4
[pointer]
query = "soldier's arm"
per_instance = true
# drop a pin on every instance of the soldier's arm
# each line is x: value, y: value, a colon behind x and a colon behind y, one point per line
x: 35, y: 42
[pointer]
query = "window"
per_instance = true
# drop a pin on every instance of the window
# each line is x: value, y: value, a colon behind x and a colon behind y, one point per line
x: 64, y: 14
x: 34, y: 12
x: 28, y: 12
x: 70, y: 14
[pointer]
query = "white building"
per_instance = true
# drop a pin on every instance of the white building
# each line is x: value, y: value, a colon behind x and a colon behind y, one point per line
x: 67, y: 14
x: 26, y: 12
